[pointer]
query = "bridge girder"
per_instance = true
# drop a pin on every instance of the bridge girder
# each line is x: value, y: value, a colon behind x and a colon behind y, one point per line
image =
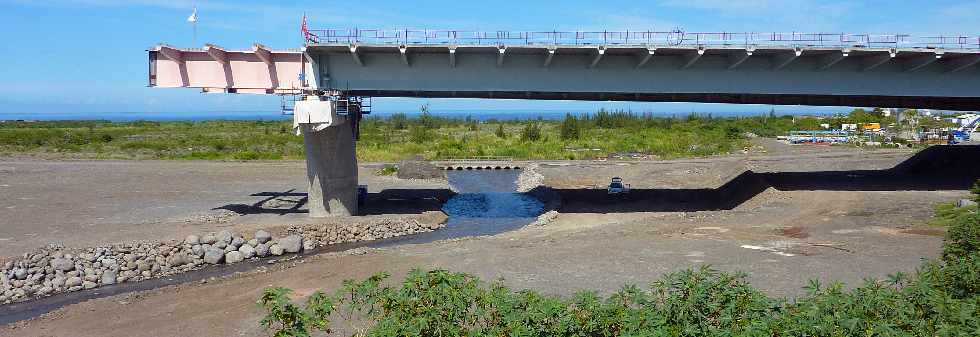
x: 885, y: 77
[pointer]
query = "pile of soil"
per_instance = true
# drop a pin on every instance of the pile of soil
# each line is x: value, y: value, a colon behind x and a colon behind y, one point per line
x: 416, y: 169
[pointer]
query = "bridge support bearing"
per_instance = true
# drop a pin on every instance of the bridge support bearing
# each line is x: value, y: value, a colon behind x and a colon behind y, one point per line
x: 331, y: 163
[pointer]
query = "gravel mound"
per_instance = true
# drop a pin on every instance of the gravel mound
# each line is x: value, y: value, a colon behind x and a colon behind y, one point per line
x: 55, y: 269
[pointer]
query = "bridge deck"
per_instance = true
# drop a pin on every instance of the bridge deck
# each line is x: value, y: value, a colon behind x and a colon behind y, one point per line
x: 853, y: 76
x: 798, y: 69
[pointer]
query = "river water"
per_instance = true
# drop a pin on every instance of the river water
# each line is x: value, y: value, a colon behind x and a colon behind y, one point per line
x: 485, y: 204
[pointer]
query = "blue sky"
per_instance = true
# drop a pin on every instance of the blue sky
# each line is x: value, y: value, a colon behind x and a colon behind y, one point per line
x: 76, y: 56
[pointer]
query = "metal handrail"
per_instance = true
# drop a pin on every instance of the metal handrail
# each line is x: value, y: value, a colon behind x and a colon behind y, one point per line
x: 479, y: 159
x: 637, y: 38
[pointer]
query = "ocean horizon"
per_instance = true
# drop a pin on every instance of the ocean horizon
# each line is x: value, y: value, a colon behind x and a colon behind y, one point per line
x: 477, y: 114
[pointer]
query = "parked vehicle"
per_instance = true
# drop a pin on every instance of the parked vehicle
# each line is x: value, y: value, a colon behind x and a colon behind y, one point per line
x: 617, y: 187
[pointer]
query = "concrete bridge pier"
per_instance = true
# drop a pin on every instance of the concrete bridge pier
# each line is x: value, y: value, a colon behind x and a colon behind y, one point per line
x: 331, y: 163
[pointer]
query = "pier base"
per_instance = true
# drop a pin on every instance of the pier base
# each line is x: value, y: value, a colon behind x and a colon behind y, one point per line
x: 331, y: 168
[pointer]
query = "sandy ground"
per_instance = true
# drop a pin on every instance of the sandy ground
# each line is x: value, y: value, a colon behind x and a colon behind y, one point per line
x: 780, y: 237
x: 86, y: 203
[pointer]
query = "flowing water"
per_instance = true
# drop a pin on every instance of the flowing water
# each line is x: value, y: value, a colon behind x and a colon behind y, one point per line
x: 485, y: 204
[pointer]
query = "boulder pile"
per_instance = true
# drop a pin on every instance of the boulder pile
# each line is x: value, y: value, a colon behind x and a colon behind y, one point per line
x: 55, y: 269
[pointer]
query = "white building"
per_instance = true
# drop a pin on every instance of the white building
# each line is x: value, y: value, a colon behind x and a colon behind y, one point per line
x: 968, y: 122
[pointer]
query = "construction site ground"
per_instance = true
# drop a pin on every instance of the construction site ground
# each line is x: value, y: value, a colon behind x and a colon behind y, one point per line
x: 780, y: 237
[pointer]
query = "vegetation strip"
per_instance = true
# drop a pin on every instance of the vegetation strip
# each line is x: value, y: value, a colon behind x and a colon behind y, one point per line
x: 603, y: 134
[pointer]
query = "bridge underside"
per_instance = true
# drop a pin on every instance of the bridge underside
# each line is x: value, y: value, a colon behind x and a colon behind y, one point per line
x: 899, y: 78
x: 943, y: 103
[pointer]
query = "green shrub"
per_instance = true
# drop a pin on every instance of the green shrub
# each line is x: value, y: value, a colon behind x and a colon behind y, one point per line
x: 388, y: 170
x: 947, y: 213
x: 569, y: 128
x: 500, y: 133
x: 420, y: 134
x: 531, y: 132
x: 291, y: 320
x: 976, y: 191
x: 963, y: 237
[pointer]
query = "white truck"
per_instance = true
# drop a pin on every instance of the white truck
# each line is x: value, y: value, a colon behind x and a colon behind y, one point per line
x: 617, y: 188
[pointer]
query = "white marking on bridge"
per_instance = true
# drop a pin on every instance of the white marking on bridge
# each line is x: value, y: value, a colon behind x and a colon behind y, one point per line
x: 962, y: 63
x: 922, y: 61
x: 452, y: 57
x: 693, y: 58
x: 646, y: 58
x: 875, y: 61
x: 736, y: 59
x: 551, y: 55
x: 833, y: 58
x: 403, y: 50
x: 784, y: 59
x: 598, y: 57
x: 500, y: 56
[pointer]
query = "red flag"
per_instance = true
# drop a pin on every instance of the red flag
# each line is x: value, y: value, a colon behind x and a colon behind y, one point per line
x: 304, y: 29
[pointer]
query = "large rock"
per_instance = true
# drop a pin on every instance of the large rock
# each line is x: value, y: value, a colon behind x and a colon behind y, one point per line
x: 275, y: 249
x: 262, y: 236
x: 62, y: 264
x: 214, y: 255
x: 226, y: 236
x: 247, y: 251
x: 209, y: 238
x: 45, y: 290
x: 73, y: 281
x: 233, y: 257
x: 89, y: 285
x: 198, y: 250
x: 292, y: 243
x: 237, y: 241
x: 178, y: 259
x: 108, y: 277
x: 20, y: 273
x: 192, y: 240
x: 966, y: 203
x: 262, y: 250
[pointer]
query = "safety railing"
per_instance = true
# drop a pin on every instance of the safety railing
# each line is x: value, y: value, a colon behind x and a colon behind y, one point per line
x: 478, y: 159
x: 638, y: 38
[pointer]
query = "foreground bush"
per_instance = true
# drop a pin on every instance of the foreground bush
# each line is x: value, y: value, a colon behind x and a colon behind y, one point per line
x: 941, y: 299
